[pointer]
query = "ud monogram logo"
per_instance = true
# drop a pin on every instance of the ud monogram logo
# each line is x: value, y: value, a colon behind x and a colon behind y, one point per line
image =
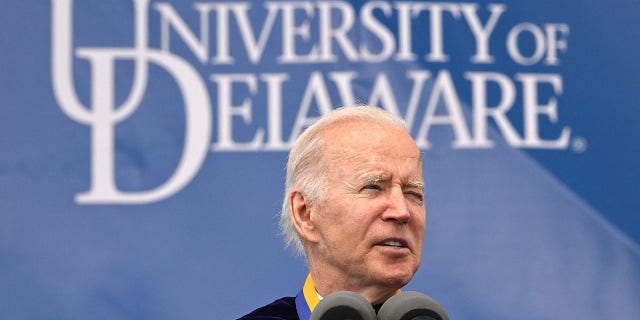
x: 102, y: 115
x: 434, y: 95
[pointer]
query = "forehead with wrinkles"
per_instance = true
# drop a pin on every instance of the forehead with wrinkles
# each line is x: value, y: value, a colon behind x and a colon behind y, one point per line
x: 358, y: 140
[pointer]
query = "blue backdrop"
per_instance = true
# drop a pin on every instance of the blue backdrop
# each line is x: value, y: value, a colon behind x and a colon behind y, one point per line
x: 144, y: 142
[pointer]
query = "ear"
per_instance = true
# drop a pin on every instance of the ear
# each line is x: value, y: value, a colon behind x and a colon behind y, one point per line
x: 301, y: 214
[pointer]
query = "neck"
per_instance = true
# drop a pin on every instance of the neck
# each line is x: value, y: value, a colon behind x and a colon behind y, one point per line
x: 327, y: 282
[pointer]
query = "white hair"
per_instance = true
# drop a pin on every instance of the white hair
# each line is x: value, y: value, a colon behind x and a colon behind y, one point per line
x: 306, y: 164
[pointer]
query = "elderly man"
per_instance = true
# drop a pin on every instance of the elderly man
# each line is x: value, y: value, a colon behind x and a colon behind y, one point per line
x: 354, y: 204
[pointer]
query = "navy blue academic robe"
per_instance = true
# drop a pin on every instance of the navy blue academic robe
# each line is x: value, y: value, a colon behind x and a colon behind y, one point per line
x: 281, y: 309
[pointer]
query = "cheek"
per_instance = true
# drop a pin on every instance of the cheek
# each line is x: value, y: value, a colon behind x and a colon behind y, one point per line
x: 365, y: 219
x: 419, y: 226
x: 336, y: 221
x: 348, y: 218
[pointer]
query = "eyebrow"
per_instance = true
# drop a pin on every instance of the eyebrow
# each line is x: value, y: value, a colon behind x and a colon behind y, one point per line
x: 383, y: 178
x: 416, y: 184
x: 375, y: 178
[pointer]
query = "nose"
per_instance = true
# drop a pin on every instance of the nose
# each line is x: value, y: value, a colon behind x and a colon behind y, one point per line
x: 397, y: 209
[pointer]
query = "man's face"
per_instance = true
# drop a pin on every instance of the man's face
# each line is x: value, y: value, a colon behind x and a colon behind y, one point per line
x: 370, y: 220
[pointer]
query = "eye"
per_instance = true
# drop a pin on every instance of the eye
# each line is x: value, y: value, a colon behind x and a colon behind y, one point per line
x: 372, y: 187
x: 415, y: 196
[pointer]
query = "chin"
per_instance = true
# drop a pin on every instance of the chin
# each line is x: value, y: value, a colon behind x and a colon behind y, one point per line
x: 398, y: 277
x: 394, y: 274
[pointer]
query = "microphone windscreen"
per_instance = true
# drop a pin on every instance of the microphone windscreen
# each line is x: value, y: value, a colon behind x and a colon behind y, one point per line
x: 343, y: 305
x: 411, y: 305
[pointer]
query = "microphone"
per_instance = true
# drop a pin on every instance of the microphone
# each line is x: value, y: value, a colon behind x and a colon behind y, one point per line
x: 411, y: 305
x: 343, y: 305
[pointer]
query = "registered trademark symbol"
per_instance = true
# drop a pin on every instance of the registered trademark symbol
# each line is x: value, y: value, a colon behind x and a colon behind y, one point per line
x: 579, y: 145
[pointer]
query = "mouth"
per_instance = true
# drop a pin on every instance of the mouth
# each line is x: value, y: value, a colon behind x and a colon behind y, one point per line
x: 394, y: 243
